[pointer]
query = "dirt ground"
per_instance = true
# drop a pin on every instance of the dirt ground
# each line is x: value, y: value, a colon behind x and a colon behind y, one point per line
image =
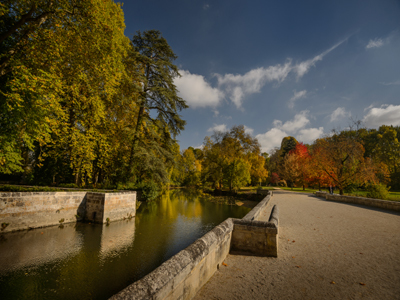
x: 327, y: 250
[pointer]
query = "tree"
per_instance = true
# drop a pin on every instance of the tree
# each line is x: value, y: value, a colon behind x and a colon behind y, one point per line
x: 303, y: 162
x: 61, y: 66
x: 341, y: 158
x: 231, y: 157
x: 157, y: 96
x: 291, y: 169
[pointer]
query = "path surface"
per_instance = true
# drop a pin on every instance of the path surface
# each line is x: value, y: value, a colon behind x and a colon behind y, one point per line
x: 327, y: 250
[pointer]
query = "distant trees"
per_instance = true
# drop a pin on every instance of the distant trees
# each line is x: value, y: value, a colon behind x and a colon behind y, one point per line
x: 348, y: 158
x: 229, y: 159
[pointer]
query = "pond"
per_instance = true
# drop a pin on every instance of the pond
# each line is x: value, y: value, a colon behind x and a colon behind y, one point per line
x: 93, y: 261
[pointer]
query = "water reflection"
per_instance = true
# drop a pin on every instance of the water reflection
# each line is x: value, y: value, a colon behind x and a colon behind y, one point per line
x: 91, y: 261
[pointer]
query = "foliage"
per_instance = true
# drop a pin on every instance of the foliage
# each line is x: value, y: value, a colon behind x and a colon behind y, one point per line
x: 341, y: 158
x: 378, y: 191
x: 231, y: 158
x: 81, y: 103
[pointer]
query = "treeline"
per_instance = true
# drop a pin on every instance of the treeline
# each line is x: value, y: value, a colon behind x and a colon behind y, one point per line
x: 80, y: 102
x: 347, y: 160
x: 229, y: 160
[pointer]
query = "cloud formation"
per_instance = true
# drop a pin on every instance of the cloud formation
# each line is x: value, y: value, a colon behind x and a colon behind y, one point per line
x: 384, y: 115
x: 391, y: 83
x: 375, y: 43
x: 220, y: 128
x: 296, y: 96
x: 296, y: 127
x: 339, y: 113
x: 302, y: 68
x: 238, y: 86
x: 197, y: 91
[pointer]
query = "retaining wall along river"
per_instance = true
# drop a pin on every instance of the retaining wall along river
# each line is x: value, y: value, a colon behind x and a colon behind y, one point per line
x: 27, y: 210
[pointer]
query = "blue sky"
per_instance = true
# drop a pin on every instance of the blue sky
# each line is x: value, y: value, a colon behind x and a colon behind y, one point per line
x: 299, y: 68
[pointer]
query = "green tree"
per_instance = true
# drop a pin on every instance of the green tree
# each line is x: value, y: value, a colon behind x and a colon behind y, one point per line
x: 157, y: 97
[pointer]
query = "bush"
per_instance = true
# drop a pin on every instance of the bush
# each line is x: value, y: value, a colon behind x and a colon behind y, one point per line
x: 350, y: 189
x: 378, y: 191
x: 282, y: 183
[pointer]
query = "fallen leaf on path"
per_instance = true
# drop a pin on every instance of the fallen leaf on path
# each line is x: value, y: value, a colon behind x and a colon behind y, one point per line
x: 298, y: 266
x: 332, y: 282
x: 41, y: 233
x: 293, y: 241
x: 362, y: 283
x: 224, y: 264
x: 361, y: 253
x: 293, y: 256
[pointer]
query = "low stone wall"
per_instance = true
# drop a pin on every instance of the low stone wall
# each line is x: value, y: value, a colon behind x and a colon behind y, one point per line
x: 255, y: 213
x: 182, y: 276
x: 391, y: 205
x: 26, y: 210
x: 255, y: 238
x: 101, y: 207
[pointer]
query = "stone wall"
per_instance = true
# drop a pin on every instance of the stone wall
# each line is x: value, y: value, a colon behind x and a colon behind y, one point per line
x: 25, y: 210
x: 183, y: 275
x: 391, y: 205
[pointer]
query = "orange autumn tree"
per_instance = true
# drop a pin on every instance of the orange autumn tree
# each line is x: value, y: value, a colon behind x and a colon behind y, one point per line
x: 341, y: 159
x: 303, y: 160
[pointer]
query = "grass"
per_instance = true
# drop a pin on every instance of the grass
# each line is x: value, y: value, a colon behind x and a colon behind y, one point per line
x: 21, y: 188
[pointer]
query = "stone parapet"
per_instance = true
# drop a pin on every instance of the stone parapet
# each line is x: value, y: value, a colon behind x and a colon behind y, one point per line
x: 385, y: 204
x: 183, y: 275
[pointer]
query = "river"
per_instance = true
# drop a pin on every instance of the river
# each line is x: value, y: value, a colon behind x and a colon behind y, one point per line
x: 93, y: 261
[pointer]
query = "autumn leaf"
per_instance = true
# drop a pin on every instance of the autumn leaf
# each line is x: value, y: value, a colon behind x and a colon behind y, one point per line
x: 332, y: 282
x: 298, y: 266
x: 362, y: 283
x: 224, y: 264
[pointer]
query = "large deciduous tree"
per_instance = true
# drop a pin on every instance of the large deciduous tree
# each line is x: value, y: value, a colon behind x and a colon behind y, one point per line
x: 341, y: 158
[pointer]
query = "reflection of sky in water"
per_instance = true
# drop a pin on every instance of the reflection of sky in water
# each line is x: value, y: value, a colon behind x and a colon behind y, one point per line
x: 91, y: 261
x: 36, y: 247
x: 117, y: 237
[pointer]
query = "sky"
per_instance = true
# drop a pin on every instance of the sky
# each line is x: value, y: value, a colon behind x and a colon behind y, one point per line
x: 280, y: 68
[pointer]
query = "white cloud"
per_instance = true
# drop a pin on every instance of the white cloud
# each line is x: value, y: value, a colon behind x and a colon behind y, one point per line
x: 295, y: 127
x: 248, y: 130
x: 296, y: 96
x: 339, y: 113
x: 196, y: 91
x: 375, y: 43
x: 271, y: 139
x: 239, y: 86
x: 206, y: 6
x: 391, y: 83
x: 384, y: 115
x: 309, y: 135
x: 300, y: 121
x: 220, y: 128
x: 303, y: 67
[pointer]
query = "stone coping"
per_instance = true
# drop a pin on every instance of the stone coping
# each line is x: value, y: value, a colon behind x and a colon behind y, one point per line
x: 385, y: 204
x: 254, y: 214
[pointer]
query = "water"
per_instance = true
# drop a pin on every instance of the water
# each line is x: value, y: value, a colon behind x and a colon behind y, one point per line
x: 92, y: 261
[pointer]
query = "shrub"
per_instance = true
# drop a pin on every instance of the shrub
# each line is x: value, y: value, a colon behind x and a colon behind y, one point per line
x: 378, y: 191
x: 282, y: 183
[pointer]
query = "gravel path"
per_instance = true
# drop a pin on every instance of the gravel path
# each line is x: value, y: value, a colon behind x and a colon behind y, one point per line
x: 327, y: 250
